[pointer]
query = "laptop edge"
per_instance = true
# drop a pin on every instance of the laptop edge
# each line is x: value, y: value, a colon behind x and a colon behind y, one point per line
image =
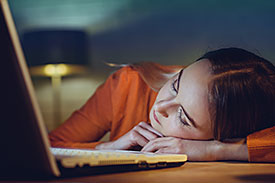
x: 23, y: 71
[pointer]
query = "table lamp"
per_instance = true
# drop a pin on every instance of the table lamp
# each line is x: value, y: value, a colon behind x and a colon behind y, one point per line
x: 55, y: 54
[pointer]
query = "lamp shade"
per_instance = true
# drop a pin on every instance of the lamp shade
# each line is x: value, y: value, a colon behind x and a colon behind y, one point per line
x: 43, y: 47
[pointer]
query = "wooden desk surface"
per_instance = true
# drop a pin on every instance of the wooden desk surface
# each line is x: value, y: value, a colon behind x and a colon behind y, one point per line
x: 224, y: 172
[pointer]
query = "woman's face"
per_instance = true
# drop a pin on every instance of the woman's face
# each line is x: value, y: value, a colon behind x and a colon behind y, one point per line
x: 181, y: 107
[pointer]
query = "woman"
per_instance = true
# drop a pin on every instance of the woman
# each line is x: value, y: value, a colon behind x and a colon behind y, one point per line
x: 226, y: 94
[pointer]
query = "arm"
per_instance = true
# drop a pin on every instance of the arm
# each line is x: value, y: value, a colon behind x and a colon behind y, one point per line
x: 196, y: 150
x: 87, y: 125
x: 261, y: 145
x: 106, y: 111
x: 233, y: 150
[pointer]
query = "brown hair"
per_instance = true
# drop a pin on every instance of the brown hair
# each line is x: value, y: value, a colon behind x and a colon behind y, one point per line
x: 241, y: 93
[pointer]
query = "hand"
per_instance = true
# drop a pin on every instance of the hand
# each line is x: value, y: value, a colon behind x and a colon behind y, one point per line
x: 139, y: 136
x: 196, y: 150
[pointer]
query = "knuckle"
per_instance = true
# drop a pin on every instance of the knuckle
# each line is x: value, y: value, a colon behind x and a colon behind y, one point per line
x: 136, y: 128
x: 142, y: 123
x: 132, y: 135
x: 134, y: 138
x: 170, y: 138
x: 153, y: 143
x: 181, y: 146
x: 175, y: 141
x: 177, y: 150
x: 154, y: 136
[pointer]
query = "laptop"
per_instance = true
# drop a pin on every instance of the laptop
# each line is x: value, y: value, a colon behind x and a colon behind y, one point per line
x: 25, y: 148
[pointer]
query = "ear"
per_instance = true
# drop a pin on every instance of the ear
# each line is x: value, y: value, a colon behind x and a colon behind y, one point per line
x: 154, y: 74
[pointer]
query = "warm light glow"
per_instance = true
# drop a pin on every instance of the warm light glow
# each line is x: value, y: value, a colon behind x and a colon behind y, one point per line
x: 52, y: 70
x: 55, y: 69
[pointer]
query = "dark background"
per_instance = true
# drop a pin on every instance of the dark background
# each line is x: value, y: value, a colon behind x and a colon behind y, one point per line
x: 164, y: 31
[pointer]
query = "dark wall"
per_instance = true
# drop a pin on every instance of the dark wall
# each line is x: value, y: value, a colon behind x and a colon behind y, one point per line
x: 169, y: 32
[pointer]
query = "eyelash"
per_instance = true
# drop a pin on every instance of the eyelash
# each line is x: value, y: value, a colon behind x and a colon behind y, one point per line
x: 180, y: 111
x: 183, y: 121
x: 173, y: 87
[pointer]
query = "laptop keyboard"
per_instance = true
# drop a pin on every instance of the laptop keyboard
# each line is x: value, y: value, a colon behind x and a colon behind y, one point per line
x: 78, y: 157
x: 96, y: 153
x: 73, y: 157
x: 73, y: 152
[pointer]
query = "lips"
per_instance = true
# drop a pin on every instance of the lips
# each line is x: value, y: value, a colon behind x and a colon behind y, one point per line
x: 156, y: 118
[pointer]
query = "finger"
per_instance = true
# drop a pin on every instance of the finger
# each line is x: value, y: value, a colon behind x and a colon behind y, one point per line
x: 138, y: 139
x: 165, y: 150
x: 145, y: 133
x: 156, y: 144
x: 150, y: 128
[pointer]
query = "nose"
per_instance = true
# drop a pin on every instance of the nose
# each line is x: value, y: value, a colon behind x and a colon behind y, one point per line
x: 163, y: 106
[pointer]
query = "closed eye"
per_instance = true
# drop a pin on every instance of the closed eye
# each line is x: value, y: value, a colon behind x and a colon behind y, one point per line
x: 176, y: 84
x: 182, y: 117
x: 174, y: 87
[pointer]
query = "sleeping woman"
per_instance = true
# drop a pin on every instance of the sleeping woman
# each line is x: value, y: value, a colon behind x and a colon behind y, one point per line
x: 221, y: 107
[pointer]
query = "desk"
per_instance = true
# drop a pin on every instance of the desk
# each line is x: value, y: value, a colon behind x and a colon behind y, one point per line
x: 221, y: 172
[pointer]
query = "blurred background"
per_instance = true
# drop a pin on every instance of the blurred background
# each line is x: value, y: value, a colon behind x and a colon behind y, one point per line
x: 87, y: 33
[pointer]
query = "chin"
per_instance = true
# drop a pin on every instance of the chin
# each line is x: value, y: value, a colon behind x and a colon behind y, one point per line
x: 152, y: 120
x: 156, y: 126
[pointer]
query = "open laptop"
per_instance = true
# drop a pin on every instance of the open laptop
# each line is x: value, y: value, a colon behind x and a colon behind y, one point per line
x: 25, y: 148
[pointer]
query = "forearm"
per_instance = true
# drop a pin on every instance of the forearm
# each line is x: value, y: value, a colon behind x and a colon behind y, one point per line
x: 105, y: 145
x: 231, y: 150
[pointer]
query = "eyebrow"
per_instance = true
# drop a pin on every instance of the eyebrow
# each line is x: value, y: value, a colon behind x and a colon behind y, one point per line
x: 186, y: 114
x: 178, y: 82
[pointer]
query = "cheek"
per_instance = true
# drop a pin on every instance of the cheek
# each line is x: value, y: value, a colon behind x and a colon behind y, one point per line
x: 184, y: 133
x: 179, y: 132
x: 175, y: 129
x: 171, y: 127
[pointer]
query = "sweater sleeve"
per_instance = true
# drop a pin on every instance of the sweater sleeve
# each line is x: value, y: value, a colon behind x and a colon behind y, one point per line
x: 261, y: 146
x: 87, y: 125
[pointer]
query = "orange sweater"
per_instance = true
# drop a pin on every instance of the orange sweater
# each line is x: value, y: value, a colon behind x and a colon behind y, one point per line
x: 121, y: 103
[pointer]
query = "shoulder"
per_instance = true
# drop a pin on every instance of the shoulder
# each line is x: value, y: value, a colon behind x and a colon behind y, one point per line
x: 126, y: 71
x: 152, y: 74
x: 155, y: 74
x: 124, y: 81
x: 126, y: 75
